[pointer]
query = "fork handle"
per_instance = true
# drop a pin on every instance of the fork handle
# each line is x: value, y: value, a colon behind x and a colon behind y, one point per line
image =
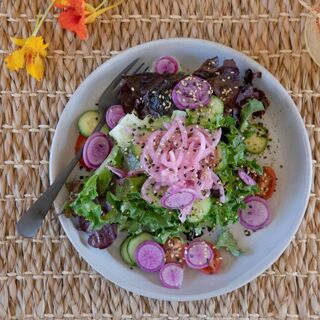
x: 31, y: 220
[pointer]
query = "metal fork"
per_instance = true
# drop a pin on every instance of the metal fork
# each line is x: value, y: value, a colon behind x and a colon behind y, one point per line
x: 31, y: 220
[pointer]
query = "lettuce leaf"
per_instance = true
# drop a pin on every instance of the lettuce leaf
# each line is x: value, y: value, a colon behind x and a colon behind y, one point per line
x: 85, y: 205
x: 226, y: 240
x: 134, y: 214
x: 251, y: 107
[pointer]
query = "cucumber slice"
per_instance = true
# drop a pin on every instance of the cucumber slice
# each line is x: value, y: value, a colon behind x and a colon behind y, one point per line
x: 88, y: 122
x: 222, y: 156
x: 203, y: 116
x: 105, y: 129
x: 258, y: 141
x: 216, y: 105
x: 134, y: 242
x: 124, y: 251
x: 199, y: 210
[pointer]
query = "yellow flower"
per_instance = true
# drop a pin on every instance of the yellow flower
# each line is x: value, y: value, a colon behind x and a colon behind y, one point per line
x: 30, y: 55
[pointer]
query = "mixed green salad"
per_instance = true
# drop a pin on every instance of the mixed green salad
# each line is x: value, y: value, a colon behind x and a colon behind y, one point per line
x: 178, y: 157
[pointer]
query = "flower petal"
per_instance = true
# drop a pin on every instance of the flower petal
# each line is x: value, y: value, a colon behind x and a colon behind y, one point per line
x: 37, y: 44
x: 15, y: 60
x: 61, y: 3
x: 71, y: 20
x: 89, y: 8
x: 18, y: 42
x: 35, y: 67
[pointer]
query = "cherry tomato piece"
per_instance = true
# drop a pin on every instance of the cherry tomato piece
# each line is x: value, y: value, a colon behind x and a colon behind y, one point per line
x: 215, y: 263
x: 267, y: 183
x: 79, y: 144
x: 174, y: 251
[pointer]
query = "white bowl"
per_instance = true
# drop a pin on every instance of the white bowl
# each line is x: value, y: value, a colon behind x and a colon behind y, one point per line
x: 290, y: 148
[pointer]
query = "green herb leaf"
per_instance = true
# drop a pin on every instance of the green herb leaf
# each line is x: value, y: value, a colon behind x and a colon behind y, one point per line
x: 250, y: 107
x: 227, y: 241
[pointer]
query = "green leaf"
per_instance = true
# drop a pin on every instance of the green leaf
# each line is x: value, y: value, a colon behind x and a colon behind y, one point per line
x: 84, y: 205
x: 114, y: 159
x: 250, y: 107
x: 129, y: 187
x: 130, y: 160
x: 227, y: 241
x: 103, y: 182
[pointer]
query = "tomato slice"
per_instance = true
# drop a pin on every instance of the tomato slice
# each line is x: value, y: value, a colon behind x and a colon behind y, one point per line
x: 174, y: 251
x: 267, y: 183
x: 79, y: 144
x: 215, y: 263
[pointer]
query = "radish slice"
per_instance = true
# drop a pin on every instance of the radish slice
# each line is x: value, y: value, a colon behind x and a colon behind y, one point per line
x: 246, y: 178
x: 96, y: 149
x: 114, y: 114
x: 191, y: 93
x: 256, y: 215
x: 149, y: 256
x: 171, y: 275
x: 185, y: 212
x: 198, y: 255
x: 176, y: 199
x: 118, y: 172
x: 166, y: 64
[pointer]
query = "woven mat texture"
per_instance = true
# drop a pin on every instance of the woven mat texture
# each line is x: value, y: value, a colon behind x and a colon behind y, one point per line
x: 44, y: 277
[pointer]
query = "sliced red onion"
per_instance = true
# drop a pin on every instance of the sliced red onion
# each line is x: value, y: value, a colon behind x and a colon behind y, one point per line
x: 184, y: 212
x: 166, y: 64
x: 191, y: 93
x: 118, y: 172
x: 246, y: 178
x: 135, y: 172
x: 177, y: 158
x: 256, y: 215
x: 96, y: 149
x: 114, y: 114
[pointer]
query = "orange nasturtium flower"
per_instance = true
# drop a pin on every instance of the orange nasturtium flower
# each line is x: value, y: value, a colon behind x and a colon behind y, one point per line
x: 77, y: 14
x: 73, y: 16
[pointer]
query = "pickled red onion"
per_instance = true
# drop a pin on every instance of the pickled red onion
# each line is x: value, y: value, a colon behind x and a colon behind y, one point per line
x: 175, y: 158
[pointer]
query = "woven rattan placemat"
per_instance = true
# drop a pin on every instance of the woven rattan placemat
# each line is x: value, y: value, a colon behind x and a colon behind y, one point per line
x: 44, y: 278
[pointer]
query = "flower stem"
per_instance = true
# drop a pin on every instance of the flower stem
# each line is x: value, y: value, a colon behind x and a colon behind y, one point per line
x: 101, y: 4
x: 39, y: 23
x: 91, y: 17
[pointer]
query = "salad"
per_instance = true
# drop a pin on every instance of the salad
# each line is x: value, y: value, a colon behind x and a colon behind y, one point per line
x: 177, y: 158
